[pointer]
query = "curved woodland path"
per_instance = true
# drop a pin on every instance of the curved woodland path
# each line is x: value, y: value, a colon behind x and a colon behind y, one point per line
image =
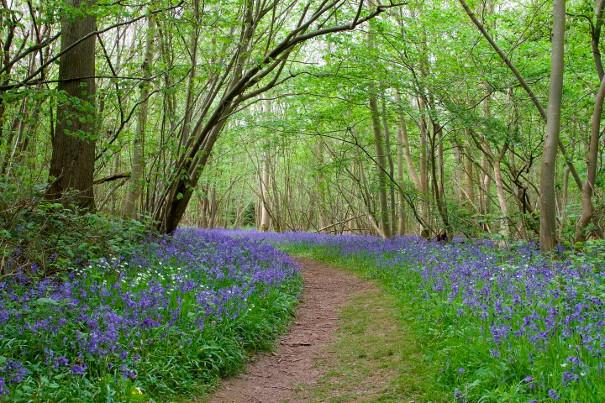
x: 286, y: 373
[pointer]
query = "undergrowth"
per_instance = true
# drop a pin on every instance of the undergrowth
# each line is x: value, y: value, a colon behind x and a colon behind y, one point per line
x: 100, y: 309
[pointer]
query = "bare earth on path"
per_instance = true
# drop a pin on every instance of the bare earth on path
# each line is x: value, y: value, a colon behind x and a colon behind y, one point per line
x: 276, y: 377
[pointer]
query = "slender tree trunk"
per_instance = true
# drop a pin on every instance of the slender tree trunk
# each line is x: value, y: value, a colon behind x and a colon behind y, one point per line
x: 548, y: 223
x: 441, y: 160
x: 381, y: 160
x: 401, y: 146
x: 73, y: 145
x: 484, y: 187
x: 505, y: 225
x: 405, y: 146
x: 138, y: 147
x: 390, y: 163
x: 564, y: 201
x: 381, y: 165
x: 322, y: 186
x: 424, y: 172
x: 469, y: 189
x: 436, y: 179
x: 265, y: 218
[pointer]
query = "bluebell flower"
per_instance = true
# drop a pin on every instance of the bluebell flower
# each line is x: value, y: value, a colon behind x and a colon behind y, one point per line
x: 553, y: 394
x: 78, y: 369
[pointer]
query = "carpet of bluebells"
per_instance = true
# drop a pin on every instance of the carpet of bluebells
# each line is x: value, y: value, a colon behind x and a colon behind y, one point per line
x: 501, y: 324
x: 168, y: 320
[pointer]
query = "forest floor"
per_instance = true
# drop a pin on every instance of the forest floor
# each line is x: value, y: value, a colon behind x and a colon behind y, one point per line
x: 346, y: 344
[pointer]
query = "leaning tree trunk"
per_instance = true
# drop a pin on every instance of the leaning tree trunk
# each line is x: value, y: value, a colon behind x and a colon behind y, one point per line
x: 592, y: 161
x: 244, y: 83
x: 548, y: 224
x: 73, y: 145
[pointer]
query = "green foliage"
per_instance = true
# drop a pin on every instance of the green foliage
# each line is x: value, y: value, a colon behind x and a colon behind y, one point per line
x: 41, y: 234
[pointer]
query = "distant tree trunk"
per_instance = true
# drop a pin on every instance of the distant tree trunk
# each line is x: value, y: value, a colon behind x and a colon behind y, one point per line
x: 11, y: 144
x: 73, y: 145
x: 322, y: 186
x: 486, y: 162
x: 401, y: 145
x: 138, y: 147
x: 265, y: 218
x: 204, y: 206
x: 548, y: 224
x: 468, y: 187
x: 381, y: 161
x: 381, y: 166
x: 436, y: 178
x: 505, y: 225
x: 424, y: 172
x: 564, y: 200
x: 212, y: 208
x: 390, y: 163
x: 405, y: 146
x: 484, y: 191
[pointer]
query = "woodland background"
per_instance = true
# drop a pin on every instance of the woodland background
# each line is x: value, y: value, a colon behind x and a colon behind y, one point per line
x: 333, y: 116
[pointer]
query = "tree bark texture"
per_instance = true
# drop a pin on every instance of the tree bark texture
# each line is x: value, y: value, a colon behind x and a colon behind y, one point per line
x: 73, y: 144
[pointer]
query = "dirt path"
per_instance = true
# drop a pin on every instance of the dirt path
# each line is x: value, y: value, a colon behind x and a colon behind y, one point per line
x: 276, y: 377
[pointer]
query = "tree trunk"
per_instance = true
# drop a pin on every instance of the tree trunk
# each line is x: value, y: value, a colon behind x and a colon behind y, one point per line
x: 424, y: 172
x: 402, y: 144
x: 564, y: 201
x: 322, y: 185
x: 405, y: 146
x: 390, y: 163
x: 381, y: 165
x: 265, y: 218
x: 138, y: 147
x: 548, y: 229
x: 73, y: 146
x: 484, y: 189
x: 469, y: 189
x: 505, y: 225
x: 381, y: 161
x: 225, y: 99
x: 436, y: 166
x: 592, y: 161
